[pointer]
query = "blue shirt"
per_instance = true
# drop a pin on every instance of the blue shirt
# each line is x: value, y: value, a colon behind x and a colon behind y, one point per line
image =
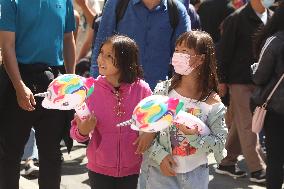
x: 152, y: 31
x: 39, y: 27
x: 194, y: 17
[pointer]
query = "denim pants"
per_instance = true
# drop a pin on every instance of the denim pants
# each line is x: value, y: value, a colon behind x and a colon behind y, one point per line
x: 195, y: 179
x: 31, y: 151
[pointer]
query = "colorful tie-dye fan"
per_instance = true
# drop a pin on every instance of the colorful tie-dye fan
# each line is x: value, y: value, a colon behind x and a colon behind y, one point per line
x: 68, y: 91
x: 155, y: 113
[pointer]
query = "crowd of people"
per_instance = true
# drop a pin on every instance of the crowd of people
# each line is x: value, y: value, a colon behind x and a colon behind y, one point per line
x: 222, y: 58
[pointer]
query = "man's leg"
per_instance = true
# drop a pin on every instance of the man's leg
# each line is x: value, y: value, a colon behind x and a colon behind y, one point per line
x: 49, y: 131
x: 274, y: 131
x: 15, y: 129
x: 240, y: 95
x: 233, y: 146
x: 228, y: 165
x: 30, y: 153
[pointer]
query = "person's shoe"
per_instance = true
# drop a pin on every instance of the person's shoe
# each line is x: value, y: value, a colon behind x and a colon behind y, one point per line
x: 31, y: 170
x: 230, y: 170
x: 258, y: 176
x: 36, y: 162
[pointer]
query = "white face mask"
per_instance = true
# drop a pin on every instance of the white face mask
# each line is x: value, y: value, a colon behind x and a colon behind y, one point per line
x: 267, y: 3
x: 180, y: 62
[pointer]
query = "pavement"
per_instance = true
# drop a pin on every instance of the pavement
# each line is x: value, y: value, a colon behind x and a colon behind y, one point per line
x: 74, y: 174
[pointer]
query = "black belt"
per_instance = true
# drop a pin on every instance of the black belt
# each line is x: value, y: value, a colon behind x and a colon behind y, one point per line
x: 39, y: 67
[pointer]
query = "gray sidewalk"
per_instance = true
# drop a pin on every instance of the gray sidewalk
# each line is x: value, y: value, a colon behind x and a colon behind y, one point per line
x: 74, y: 174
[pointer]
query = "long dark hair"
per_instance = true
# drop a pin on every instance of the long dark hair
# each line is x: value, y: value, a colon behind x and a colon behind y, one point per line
x: 202, y: 43
x: 126, y: 55
x: 274, y: 24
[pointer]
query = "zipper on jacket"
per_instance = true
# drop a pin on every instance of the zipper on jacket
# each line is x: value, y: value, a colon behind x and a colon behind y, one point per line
x: 119, y: 152
x: 119, y: 113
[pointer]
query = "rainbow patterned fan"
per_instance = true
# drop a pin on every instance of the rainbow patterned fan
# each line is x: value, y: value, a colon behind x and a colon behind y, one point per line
x: 68, y: 91
x: 156, y: 113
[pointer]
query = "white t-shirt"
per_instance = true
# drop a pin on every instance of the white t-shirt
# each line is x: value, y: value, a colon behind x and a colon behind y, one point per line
x: 263, y: 16
x: 94, y: 5
x: 184, y: 154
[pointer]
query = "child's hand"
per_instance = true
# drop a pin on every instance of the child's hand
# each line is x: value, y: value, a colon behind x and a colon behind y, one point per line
x: 186, y: 130
x: 144, y: 141
x: 87, y: 125
x: 167, y: 165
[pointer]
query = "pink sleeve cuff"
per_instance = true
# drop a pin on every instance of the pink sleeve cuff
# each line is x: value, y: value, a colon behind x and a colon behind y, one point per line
x: 75, y: 134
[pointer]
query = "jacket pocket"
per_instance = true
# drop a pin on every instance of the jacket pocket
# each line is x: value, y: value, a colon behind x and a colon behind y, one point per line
x: 128, y: 157
x: 107, y: 152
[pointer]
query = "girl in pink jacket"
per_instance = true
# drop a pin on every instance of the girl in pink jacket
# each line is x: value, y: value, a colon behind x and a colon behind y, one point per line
x: 112, y: 158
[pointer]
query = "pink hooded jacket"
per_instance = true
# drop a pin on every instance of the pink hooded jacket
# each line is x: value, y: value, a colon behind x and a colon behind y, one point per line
x: 110, y: 150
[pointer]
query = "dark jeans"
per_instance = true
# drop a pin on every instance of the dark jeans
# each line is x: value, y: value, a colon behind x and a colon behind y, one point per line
x: 15, y: 128
x: 99, y: 181
x: 274, y: 129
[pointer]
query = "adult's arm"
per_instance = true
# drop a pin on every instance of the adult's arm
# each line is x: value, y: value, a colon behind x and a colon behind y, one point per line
x: 77, y: 21
x: 267, y: 61
x: 184, y: 24
x: 69, y: 53
x: 227, y: 47
x: 68, y: 40
x: 194, y: 18
x: 87, y: 45
x: 24, y: 95
x: 106, y: 29
x: 90, y: 15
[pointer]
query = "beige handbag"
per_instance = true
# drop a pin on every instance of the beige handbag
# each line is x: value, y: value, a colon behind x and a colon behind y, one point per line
x: 260, y: 111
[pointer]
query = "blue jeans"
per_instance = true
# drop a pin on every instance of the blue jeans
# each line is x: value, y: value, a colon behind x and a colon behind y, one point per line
x: 196, y: 179
x: 30, y: 151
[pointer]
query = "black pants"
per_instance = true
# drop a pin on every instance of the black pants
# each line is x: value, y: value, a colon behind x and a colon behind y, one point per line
x: 274, y: 129
x: 99, y: 181
x: 15, y: 127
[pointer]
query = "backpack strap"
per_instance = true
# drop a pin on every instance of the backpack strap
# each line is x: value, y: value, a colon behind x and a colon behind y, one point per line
x: 120, y: 10
x: 173, y: 15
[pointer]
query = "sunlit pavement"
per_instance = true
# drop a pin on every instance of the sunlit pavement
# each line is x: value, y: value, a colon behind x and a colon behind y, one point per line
x: 74, y: 174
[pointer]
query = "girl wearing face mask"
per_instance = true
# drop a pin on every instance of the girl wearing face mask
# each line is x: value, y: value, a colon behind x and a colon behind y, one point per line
x: 178, y: 156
